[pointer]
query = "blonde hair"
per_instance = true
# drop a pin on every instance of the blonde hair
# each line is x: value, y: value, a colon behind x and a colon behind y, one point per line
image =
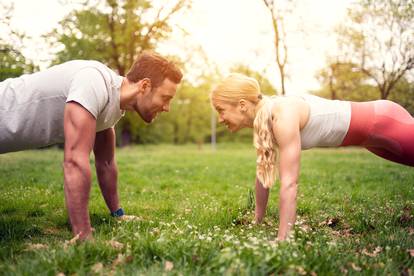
x: 231, y: 90
x: 265, y: 144
x: 236, y: 87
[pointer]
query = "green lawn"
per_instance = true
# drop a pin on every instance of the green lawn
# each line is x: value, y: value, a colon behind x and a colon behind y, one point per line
x: 196, y: 209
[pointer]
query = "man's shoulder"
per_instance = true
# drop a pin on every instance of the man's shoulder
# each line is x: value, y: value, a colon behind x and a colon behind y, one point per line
x: 90, y: 66
x: 78, y: 64
x: 82, y: 63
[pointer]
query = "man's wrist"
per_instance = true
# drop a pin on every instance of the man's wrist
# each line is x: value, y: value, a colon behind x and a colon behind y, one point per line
x: 118, y: 213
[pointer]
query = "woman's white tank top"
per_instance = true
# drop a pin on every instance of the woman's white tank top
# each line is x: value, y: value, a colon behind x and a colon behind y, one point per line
x: 328, y: 122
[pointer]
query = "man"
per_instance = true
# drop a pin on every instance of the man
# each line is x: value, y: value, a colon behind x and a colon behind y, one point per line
x: 79, y: 102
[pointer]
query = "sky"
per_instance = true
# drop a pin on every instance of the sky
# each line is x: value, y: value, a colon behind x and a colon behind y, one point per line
x: 228, y: 31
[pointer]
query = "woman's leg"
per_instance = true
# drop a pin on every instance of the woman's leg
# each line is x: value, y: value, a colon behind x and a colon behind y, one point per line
x: 384, y: 128
x: 392, y: 135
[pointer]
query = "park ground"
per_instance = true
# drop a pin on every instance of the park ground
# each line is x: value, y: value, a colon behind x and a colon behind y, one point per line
x: 195, y: 210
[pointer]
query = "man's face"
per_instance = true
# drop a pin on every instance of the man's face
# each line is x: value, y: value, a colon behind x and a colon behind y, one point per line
x: 156, y: 100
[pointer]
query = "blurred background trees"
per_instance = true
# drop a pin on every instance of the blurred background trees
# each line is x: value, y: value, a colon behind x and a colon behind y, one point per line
x: 376, y: 57
x: 114, y: 32
x: 12, y: 62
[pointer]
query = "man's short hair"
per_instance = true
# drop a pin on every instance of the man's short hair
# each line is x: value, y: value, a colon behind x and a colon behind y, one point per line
x: 155, y: 67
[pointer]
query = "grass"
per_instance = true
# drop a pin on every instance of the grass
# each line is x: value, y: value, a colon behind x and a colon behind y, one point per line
x: 355, y: 215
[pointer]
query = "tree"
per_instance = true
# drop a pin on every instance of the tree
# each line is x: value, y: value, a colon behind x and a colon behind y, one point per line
x: 114, y: 32
x: 12, y: 62
x: 403, y: 94
x: 281, y: 48
x: 265, y: 86
x: 344, y: 81
x: 379, y: 37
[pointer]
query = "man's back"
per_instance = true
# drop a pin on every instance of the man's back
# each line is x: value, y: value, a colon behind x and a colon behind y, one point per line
x: 32, y: 106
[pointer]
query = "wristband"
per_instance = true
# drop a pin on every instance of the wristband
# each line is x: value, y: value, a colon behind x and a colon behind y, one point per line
x: 118, y: 213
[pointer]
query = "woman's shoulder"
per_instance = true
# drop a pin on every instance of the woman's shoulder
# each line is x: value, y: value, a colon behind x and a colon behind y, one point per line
x: 290, y: 108
x: 287, y: 103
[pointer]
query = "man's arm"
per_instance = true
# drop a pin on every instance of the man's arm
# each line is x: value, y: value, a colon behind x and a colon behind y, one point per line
x: 287, y: 133
x: 106, y: 168
x: 262, y: 195
x: 79, y: 129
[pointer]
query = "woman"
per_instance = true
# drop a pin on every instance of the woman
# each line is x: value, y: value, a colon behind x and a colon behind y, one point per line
x: 283, y: 126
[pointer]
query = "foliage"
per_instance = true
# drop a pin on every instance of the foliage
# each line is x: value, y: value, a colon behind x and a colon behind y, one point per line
x: 13, y: 63
x: 378, y: 37
x: 404, y: 95
x: 114, y: 32
x: 345, y: 81
x: 265, y: 86
x: 355, y: 216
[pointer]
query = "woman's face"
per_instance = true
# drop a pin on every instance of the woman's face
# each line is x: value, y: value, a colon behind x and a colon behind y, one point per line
x: 230, y: 115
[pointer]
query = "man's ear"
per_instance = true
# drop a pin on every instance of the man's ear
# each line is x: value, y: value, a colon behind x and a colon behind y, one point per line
x: 144, y: 84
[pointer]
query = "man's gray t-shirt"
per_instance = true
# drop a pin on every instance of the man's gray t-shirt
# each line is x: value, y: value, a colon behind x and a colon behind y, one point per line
x: 32, y: 106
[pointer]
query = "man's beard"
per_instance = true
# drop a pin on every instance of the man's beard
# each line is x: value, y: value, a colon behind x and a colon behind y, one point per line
x: 145, y: 115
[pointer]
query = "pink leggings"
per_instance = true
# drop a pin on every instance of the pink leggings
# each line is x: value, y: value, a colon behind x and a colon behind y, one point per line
x: 384, y: 128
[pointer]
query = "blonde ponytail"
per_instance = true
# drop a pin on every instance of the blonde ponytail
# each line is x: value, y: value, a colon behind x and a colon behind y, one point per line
x: 265, y: 144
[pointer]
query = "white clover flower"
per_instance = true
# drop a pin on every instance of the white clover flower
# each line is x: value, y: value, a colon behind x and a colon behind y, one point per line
x: 254, y: 240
